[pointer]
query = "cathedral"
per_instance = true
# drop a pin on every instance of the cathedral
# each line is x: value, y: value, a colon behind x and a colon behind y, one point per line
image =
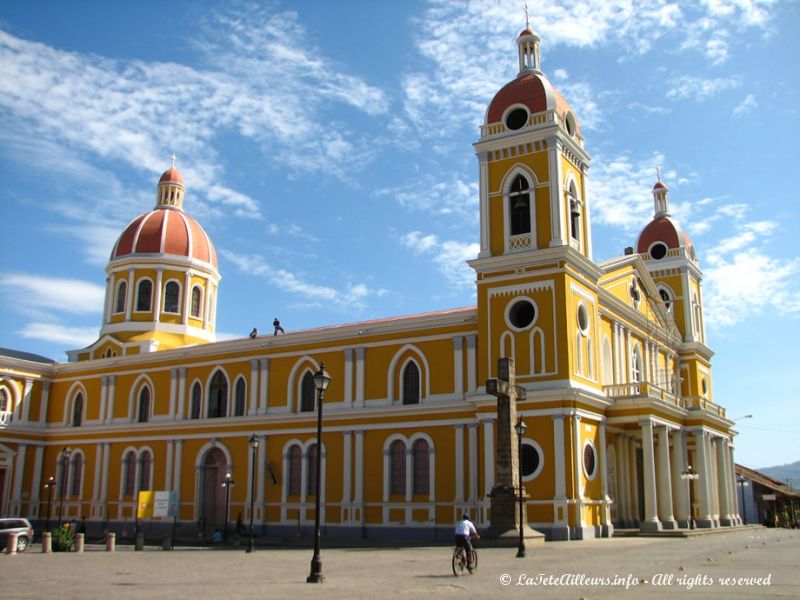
x: 622, y: 428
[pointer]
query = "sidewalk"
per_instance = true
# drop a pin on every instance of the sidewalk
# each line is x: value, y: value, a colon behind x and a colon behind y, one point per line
x: 759, y: 563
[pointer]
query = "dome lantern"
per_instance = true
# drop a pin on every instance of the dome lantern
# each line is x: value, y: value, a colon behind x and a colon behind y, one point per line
x: 170, y: 188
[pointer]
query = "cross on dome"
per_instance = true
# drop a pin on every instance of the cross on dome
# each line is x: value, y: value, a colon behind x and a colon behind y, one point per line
x: 173, y: 158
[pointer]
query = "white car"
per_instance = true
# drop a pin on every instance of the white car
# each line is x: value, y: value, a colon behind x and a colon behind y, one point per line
x: 16, y: 525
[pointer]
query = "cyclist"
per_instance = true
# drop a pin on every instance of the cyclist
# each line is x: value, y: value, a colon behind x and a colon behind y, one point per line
x: 464, y: 530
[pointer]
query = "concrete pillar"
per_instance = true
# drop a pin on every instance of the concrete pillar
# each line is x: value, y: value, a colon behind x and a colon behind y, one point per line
x: 664, y: 481
x: 79, y: 542
x: 111, y: 541
x: 725, y: 517
x: 651, y: 522
x: 705, y: 519
x: 11, y: 543
x: 47, y: 542
x: 680, y: 487
x: 608, y: 526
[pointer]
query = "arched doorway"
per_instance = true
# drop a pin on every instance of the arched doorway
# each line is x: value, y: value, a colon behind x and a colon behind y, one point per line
x: 212, y: 508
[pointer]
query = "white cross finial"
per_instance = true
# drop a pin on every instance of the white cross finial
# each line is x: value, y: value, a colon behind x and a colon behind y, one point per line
x: 658, y: 172
x: 527, y: 23
x: 173, y: 158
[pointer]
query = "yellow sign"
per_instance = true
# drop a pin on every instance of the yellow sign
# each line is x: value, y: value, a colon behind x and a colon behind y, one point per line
x: 144, y: 508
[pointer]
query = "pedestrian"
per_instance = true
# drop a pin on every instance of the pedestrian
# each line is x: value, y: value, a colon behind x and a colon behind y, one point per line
x: 240, y: 524
x: 277, y: 325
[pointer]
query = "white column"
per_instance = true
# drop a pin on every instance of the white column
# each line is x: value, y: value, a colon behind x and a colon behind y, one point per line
x: 680, y: 487
x: 560, y: 506
x: 45, y: 401
x: 36, y: 482
x: 488, y: 456
x: 472, y: 374
x: 737, y: 515
x: 608, y: 526
x: 180, y: 400
x: 177, y: 470
x: 483, y: 182
x: 26, y: 400
x: 157, y: 296
x: 459, y: 464
x: 701, y: 484
x: 110, y: 396
x: 360, y: 357
x: 634, y: 479
x: 186, y: 301
x: 556, y: 202
x: 472, y: 432
x: 577, y: 470
x: 19, y: 471
x: 458, y: 366
x: 358, y: 500
x: 713, y: 487
x: 253, y: 409
x: 170, y: 464
x: 104, y: 479
x: 725, y: 517
x: 109, y: 300
x: 263, y: 392
x: 347, y: 474
x: 622, y: 481
x: 173, y: 393
x: 129, y: 296
x: 261, y: 481
x: 98, y: 468
x: 651, y: 522
x: 664, y: 480
x: 348, y: 376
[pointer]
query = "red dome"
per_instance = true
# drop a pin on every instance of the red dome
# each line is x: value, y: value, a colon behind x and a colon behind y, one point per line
x: 171, y: 175
x: 660, y: 185
x: 662, y: 229
x: 166, y: 231
x: 530, y: 89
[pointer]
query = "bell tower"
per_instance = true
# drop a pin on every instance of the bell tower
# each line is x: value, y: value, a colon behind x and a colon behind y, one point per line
x: 535, y: 226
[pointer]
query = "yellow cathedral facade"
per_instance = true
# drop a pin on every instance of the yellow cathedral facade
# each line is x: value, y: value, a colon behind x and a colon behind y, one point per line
x: 619, y: 405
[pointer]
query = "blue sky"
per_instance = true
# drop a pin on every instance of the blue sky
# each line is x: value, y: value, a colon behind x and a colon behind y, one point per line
x: 326, y: 148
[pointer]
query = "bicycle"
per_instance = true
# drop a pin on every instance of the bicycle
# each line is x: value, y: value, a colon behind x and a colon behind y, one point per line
x: 460, y: 561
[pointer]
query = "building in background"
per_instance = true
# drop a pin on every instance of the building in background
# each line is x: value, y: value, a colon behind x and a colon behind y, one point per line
x: 764, y: 500
x: 613, y: 357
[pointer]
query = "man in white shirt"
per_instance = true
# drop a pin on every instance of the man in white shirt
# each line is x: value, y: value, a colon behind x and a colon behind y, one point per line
x: 464, y: 530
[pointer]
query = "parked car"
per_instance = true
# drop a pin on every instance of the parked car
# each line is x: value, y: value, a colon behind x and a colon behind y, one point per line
x: 16, y: 525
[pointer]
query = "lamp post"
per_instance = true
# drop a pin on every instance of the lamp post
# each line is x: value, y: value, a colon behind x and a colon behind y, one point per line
x: 51, y: 482
x: 65, y: 454
x: 690, y: 475
x: 227, y: 485
x: 321, y: 381
x: 520, y: 428
x: 253, y: 447
x: 743, y: 483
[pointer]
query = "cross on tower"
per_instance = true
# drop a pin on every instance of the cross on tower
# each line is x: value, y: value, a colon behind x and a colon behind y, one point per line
x: 173, y: 158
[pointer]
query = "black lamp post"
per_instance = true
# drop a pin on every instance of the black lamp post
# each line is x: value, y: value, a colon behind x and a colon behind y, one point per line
x: 51, y: 482
x: 521, y: 429
x: 321, y: 381
x: 743, y: 483
x: 65, y: 454
x: 227, y: 485
x: 253, y: 447
x: 690, y: 475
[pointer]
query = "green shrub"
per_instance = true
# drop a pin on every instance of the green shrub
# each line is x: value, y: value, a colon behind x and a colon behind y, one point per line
x: 63, y: 538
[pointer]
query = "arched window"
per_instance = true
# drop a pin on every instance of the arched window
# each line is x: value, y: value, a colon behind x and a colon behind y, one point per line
x: 172, y: 297
x: 307, y: 393
x: 574, y: 212
x: 197, y: 397
x: 636, y: 365
x: 144, y: 405
x: 129, y: 473
x: 411, y: 383
x: 421, y: 451
x: 665, y: 296
x: 122, y: 292
x: 197, y: 296
x: 241, y: 396
x: 397, y: 468
x: 218, y: 396
x: 4, y: 403
x: 311, y: 473
x: 519, y: 206
x: 144, y: 295
x: 77, y: 411
x: 146, y: 466
x: 295, y: 470
x: 77, y: 471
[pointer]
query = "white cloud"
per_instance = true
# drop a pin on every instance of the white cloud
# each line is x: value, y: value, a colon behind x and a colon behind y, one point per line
x: 354, y: 296
x: 449, y: 256
x: 73, y: 337
x: 746, y: 106
x: 687, y: 87
x: 429, y: 194
x: 23, y: 292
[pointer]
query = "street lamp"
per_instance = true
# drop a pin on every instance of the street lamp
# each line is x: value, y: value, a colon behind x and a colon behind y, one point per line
x: 521, y: 429
x: 227, y: 485
x: 321, y: 382
x: 51, y: 482
x: 743, y: 483
x: 690, y: 475
x: 65, y: 454
x: 253, y: 447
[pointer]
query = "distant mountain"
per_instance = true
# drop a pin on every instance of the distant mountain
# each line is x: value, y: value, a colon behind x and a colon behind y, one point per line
x: 789, y: 471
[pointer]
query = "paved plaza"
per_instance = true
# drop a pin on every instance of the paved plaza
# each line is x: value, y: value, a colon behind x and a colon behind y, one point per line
x: 750, y: 563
